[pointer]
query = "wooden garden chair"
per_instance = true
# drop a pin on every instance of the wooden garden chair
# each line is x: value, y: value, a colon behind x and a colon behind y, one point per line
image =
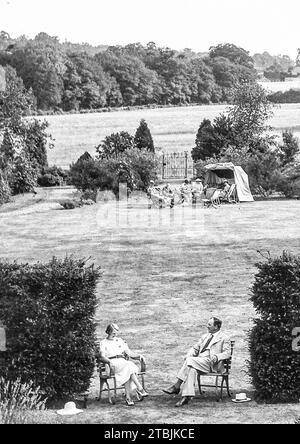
x: 156, y: 200
x: 213, y: 201
x: 230, y: 195
x: 108, y: 383
x: 224, y: 377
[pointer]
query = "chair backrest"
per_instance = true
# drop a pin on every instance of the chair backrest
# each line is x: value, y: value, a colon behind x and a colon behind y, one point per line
x: 215, y: 195
x: 227, y: 362
x: 210, y: 192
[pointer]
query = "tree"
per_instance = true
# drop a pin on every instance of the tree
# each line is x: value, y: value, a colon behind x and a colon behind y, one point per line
x: 23, y: 149
x: 233, y: 53
x: 249, y: 115
x: 114, y: 145
x: 143, y: 138
x: 290, y: 147
x: 41, y: 64
x: 212, y: 138
x: 15, y: 100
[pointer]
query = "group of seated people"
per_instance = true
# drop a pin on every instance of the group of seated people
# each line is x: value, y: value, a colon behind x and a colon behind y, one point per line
x: 206, y: 355
x: 187, y: 192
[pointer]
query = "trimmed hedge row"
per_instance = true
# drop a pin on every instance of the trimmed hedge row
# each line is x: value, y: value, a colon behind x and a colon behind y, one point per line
x: 274, y: 366
x: 48, y: 310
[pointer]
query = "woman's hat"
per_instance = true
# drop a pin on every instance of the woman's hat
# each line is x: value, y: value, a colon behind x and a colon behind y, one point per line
x: 198, y: 180
x: 111, y: 327
x: 69, y: 409
x: 241, y: 397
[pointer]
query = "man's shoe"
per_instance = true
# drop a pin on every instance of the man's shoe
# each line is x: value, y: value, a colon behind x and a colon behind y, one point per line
x: 172, y: 390
x: 184, y: 400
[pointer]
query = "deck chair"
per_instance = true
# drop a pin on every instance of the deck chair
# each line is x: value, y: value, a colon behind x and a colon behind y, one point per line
x: 156, y: 200
x: 213, y: 201
x: 230, y: 195
x: 224, y: 377
x: 108, y: 383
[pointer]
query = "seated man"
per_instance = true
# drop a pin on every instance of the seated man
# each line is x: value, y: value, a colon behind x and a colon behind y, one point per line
x: 225, y: 188
x: 205, y: 356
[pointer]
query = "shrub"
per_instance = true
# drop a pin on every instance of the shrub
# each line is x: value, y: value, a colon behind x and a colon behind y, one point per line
x: 17, y: 399
x: 135, y: 167
x: 143, y: 137
x: 52, y: 176
x: 274, y: 367
x: 70, y: 204
x: 48, y: 310
x: 89, y: 195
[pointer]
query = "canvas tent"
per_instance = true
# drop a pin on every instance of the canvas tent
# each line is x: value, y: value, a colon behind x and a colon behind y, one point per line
x: 216, y: 173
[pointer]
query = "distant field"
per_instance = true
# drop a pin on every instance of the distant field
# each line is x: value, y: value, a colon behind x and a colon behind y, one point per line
x: 281, y: 86
x: 173, y: 129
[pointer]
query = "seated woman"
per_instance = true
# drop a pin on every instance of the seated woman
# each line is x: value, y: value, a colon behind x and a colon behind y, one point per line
x: 168, y: 194
x: 225, y: 188
x: 115, y: 352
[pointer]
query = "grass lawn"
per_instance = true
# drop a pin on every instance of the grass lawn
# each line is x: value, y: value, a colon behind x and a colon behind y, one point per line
x: 165, y: 272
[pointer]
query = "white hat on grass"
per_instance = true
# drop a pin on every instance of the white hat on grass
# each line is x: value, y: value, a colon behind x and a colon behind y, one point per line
x: 69, y: 409
x: 241, y: 397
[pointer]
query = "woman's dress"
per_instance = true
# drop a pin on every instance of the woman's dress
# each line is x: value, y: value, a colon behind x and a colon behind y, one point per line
x: 123, y: 368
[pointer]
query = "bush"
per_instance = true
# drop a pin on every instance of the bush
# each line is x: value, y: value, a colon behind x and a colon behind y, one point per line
x: 48, y: 310
x: 274, y: 367
x: 70, y: 204
x: 17, y: 399
x: 52, y: 176
x: 135, y: 167
x: 289, y: 180
x: 89, y: 195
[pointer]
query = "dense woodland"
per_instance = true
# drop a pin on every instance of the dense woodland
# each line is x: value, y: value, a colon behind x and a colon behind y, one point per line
x: 72, y: 77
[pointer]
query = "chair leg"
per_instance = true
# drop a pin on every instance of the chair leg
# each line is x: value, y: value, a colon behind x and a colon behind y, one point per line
x: 109, y: 393
x: 227, y: 386
x: 115, y: 391
x: 217, y: 388
x: 199, y: 383
x: 100, y: 389
x: 143, y: 381
x: 222, y: 384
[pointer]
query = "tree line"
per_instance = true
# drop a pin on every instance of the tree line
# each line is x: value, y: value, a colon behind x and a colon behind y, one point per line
x: 68, y: 77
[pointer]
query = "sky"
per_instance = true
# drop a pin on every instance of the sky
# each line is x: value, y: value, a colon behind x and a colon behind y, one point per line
x: 255, y: 25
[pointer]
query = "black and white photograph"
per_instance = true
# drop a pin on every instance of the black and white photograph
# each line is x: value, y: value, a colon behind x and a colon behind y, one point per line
x: 149, y: 215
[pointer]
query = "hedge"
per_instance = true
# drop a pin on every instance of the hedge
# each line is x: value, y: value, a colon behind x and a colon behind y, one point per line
x: 274, y: 366
x: 48, y: 310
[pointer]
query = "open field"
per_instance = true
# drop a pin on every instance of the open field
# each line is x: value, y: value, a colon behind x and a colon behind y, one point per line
x: 272, y: 87
x: 173, y: 129
x: 164, y: 274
